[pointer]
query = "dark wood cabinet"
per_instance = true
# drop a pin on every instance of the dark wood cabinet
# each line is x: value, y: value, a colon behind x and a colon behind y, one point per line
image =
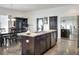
x: 42, y: 44
x: 21, y: 24
x: 36, y: 45
x: 27, y: 45
x: 53, y: 22
x: 48, y: 42
x: 65, y: 33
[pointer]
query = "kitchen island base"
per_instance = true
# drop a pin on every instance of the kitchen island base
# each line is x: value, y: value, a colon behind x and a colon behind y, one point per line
x: 39, y: 44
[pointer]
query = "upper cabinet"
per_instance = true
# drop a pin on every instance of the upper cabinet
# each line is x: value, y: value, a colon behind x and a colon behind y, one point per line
x: 21, y: 24
x: 53, y: 22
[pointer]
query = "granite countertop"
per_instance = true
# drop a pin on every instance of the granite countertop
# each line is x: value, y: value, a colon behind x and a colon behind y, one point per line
x: 34, y: 34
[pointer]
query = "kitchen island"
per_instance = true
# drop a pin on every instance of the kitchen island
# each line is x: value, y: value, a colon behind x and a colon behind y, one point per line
x: 37, y: 43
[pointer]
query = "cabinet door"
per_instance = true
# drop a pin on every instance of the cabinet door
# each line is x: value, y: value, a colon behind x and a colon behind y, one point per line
x: 27, y: 46
x: 37, y: 45
x: 20, y: 24
x: 48, y: 37
x: 42, y: 44
x: 53, y: 22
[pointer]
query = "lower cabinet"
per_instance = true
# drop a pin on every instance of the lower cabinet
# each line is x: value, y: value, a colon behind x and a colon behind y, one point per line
x: 43, y: 44
x: 27, y: 45
x: 48, y: 41
x: 36, y: 45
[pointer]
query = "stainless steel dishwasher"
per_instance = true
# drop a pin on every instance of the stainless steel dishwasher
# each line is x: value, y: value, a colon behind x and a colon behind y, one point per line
x: 53, y: 38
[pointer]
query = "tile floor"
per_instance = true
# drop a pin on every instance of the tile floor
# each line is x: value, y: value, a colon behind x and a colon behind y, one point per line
x: 63, y: 47
x: 14, y: 50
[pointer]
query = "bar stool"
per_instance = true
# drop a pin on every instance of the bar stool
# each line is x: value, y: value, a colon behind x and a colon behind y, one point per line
x: 1, y: 40
x: 13, y: 38
x: 6, y: 40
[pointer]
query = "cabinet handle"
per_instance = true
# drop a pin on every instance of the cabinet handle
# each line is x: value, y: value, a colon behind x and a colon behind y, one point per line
x: 27, y: 41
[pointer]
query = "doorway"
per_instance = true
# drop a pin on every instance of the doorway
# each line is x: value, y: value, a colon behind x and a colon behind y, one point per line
x: 69, y: 27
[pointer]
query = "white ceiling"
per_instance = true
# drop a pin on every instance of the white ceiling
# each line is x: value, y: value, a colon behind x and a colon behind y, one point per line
x: 30, y: 7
